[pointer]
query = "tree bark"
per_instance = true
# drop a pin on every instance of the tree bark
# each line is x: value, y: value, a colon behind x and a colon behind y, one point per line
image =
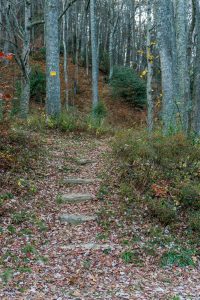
x: 150, y: 104
x: 184, y: 99
x: 95, y: 71
x: 165, y: 34
x: 196, y: 87
x: 53, y: 102
x: 25, y: 84
x: 65, y: 47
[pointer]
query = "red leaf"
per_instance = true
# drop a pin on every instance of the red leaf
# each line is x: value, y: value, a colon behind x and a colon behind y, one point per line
x: 9, y: 56
x: 7, y: 97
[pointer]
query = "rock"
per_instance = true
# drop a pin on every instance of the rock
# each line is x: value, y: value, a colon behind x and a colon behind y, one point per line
x: 75, y: 198
x: 76, y: 219
x: 78, y: 181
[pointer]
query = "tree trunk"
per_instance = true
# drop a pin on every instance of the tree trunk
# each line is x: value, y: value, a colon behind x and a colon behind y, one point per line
x: 184, y: 100
x: 133, y: 31
x: 65, y: 47
x: 76, y: 52
x: 53, y: 102
x: 25, y: 84
x: 95, y: 71
x: 165, y: 33
x: 196, y: 87
x: 150, y: 110
x: 111, y: 60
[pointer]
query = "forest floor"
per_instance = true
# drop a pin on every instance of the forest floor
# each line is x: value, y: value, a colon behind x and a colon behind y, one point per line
x: 111, y: 257
x: 42, y: 257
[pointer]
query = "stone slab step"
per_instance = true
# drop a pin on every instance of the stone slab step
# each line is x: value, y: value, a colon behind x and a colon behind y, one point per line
x: 75, y: 198
x: 88, y: 246
x: 76, y: 219
x: 78, y: 181
x: 84, y: 161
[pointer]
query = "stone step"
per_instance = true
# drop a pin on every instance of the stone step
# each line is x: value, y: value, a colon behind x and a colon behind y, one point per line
x: 75, y: 198
x: 76, y: 219
x: 84, y: 161
x: 78, y: 181
x: 87, y: 246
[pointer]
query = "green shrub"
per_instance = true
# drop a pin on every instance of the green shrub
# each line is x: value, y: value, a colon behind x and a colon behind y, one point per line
x: 161, y: 171
x: 164, y: 211
x: 96, y: 120
x: 128, y: 257
x: 190, y: 196
x: 131, y: 257
x: 100, y: 111
x: 20, y: 217
x: 6, y: 275
x: 126, y: 190
x: 6, y: 196
x: 194, y: 221
x: 175, y: 298
x: 69, y: 121
x: 169, y: 156
x: 28, y: 248
x: 180, y: 258
x: 38, y: 84
x: 128, y: 85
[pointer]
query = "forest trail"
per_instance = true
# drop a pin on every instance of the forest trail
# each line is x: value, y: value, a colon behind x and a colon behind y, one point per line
x: 80, y: 260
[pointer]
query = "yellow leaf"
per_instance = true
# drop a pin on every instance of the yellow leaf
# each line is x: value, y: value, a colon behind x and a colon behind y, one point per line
x: 144, y: 73
x: 153, y: 43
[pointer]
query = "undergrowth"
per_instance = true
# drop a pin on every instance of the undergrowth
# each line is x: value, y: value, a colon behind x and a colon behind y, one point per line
x: 71, y: 121
x: 18, y: 148
x: 161, y: 175
x: 129, y: 86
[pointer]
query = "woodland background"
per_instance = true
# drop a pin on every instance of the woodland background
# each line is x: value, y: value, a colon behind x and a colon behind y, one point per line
x: 104, y: 93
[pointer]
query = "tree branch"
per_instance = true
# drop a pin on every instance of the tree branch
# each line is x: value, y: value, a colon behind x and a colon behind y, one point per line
x: 66, y: 9
x: 37, y: 23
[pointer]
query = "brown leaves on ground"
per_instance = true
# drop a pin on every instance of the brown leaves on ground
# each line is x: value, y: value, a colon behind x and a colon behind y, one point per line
x: 35, y: 262
x: 160, y: 189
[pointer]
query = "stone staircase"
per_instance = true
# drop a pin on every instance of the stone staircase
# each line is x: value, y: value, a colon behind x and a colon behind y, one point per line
x: 75, y: 198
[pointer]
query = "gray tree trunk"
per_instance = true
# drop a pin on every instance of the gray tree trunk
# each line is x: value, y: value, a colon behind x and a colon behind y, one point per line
x: 184, y: 99
x: 65, y: 47
x: 150, y: 104
x: 196, y: 87
x: 25, y: 84
x: 133, y: 31
x: 76, y: 51
x: 95, y: 67
x: 53, y: 102
x: 113, y: 28
x: 111, y: 60
x: 165, y: 34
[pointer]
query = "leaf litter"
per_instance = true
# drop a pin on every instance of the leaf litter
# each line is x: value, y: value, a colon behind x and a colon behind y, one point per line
x: 36, y: 259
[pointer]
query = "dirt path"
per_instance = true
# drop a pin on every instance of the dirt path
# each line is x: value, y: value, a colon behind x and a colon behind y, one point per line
x: 77, y: 261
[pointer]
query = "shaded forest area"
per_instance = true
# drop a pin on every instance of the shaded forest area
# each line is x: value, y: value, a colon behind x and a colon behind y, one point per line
x: 100, y: 149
